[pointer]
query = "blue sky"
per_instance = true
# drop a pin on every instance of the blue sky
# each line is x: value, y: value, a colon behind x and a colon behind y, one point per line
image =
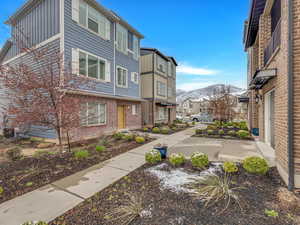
x: 204, y: 36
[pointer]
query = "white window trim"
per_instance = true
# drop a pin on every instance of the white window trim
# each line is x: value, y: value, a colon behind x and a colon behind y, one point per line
x: 87, y: 115
x: 87, y: 28
x: 134, y: 110
x: 123, y: 68
x: 99, y: 58
x: 132, y: 77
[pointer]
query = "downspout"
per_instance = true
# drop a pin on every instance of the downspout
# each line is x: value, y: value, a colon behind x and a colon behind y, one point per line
x: 114, y: 63
x: 153, y: 89
x: 291, y: 169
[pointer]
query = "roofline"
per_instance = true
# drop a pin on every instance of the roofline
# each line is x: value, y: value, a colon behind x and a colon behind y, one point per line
x: 4, y: 49
x: 110, y: 14
x: 249, y: 23
x: 168, y: 58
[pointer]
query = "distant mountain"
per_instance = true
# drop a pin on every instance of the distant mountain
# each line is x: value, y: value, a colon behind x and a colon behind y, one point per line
x: 206, y: 92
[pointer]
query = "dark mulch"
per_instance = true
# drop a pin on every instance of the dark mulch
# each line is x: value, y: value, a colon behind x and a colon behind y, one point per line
x: 30, y: 173
x: 169, y: 208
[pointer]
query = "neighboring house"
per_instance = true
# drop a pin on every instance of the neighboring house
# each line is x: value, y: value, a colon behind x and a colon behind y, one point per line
x: 272, y: 41
x: 97, y: 44
x: 158, y: 81
x: 184, y: 108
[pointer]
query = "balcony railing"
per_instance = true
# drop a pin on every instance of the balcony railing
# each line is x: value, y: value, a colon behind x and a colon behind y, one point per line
x: 273, y: 44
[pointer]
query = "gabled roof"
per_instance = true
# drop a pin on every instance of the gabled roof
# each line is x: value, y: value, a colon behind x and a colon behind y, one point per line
x: 168, y: 58
x: 110, y: 14
x: 5, y: 49
x: 251, y: 25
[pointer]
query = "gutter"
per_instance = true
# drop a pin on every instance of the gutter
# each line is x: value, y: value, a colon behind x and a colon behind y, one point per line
x: 291, y: 169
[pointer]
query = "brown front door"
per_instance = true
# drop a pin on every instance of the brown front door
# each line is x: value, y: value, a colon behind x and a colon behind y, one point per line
x: 121, y: 117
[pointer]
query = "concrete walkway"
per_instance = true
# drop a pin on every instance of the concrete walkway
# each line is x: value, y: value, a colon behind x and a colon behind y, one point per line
x: 53, y: 200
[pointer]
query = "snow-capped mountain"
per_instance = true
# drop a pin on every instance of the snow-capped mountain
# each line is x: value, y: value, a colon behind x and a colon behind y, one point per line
x: 206, y: 92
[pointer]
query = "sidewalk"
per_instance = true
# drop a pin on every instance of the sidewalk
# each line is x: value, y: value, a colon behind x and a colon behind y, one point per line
x: 52, y: 200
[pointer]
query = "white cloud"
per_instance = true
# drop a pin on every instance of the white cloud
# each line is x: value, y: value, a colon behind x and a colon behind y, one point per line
x: 186, y: 69
x: 194, y: 85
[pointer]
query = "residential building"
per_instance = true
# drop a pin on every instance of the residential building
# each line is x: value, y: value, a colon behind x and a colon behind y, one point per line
x: 272, y: 41
x: 158, y: 82
x: 98, y: 45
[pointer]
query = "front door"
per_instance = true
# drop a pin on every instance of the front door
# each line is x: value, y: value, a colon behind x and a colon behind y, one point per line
x: 270, y: 118
x: 121, y: 117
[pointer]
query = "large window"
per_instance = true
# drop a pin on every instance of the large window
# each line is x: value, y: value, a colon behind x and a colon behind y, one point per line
x: 161, y: 89
x: 93, y: 20
x: 93, y: 113
x: 93, y: 67
x: 122, y: 77
x: 136, y: 48
x: 161, y: 64
x: 122, y: 39
x: 162, y: 113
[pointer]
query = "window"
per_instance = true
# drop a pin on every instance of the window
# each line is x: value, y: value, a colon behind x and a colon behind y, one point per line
x: 170, y: 92
x: 122, y: 74
x: 93, y: 67
x: 93, y: 20
x: 161, y: 64
x: 122, y: 39
x: 93, y: 113
x: 135, y: 77
x: 134, y: 109
x: 161, y: 89
x: 162, y: 113
x: 130, y: 41
x: 136, y: 48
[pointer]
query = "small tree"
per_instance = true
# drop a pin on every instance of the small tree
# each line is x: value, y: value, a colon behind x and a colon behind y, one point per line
x: 39, y: 91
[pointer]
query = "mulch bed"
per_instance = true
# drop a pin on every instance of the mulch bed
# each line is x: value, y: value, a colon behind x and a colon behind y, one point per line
x: 228, y: 137
x: 171, y: 208
x: 30, y: 173
x: 170, y: 132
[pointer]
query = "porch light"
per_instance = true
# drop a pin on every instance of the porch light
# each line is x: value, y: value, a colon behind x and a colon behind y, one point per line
x: 257, y: 98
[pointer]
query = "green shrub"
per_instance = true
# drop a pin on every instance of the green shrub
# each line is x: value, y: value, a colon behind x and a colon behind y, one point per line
x: 199, y: 131
x: 211, y: 127
x: 140, y: 140
x: 271, y: 213
x: 81, y: 154
x: 153, y: 157
x: 210, y: 132
x: 193, y: 123
x: 100, y: 148
x: 232, y: 133
x: 118, y: 136
x: 165, y: 130
x: 29, y: 184
x: 103, y: 142
x: 177, y: 159
x: 35, y: 139
x: 174, y: 128
x: 1, y: 190
x: 243, y: 133
x: 218, y: 123
x: 243, y: 125
x: 256, y: 165
x: 199, y: 160
x: 128, y: 137
x: 14, y: 154
x: 230, y: 167
x: 41, y: 153
x: 35, y: 223
x: 156, y: 130
x: 145, y: 129
x: 221, y: 132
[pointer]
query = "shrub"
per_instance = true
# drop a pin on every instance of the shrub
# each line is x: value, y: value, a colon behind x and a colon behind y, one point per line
x: 243, y: 133
x: 100, y: 148
x: 232, y: 133
x: 271, y: 213
x: 243, y: 126
x: 103, y: 142
x: 14, y: 154
x: 230, y: 167
x: 156, y: 130
x: 35, y: 139
x: 140, y: 140
x: 35, y: 223
x: 153, y: 156
x: 256, y: 165
x: 199, y: 131
x: 230, y: 124
x: 210, y: 132
x: 177, y: 159
x: 211, y: 127
x: 29, y: 184
x: 118, y: 136
x: 128, y: 137
x: 165, y: 130
x: 1, y: 190
x: 193, y: 123
x: 199, y: 160
x: 221, y: 132
x: 41, y: 153
x: 81, y: 154
x: 145, y: 129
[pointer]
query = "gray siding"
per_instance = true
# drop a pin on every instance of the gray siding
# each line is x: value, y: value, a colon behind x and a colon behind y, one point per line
x: 79, y: 37
x: 52, y: 48
x: 40, y: 24
x: 131, y: 65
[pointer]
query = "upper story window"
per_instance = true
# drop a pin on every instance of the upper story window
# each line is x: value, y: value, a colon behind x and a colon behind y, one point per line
x: 161, y: 89
x: 89, y: 65
x: 133, y: 45
x: 161, y: 64
x: 93, y: 20
x: 275, y: 14
x: 122, y: 77
x: 122, y: 39
x: 135, y: 77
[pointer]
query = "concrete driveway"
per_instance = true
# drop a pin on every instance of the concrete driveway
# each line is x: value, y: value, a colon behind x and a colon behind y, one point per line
x: 217, y: 149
